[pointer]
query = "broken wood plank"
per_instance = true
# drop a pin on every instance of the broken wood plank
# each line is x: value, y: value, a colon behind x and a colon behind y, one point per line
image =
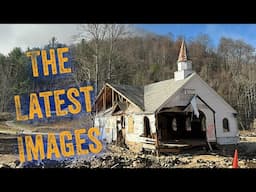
x: 209, y: 146
x: 112, y: 97
x: 169, y: 150
x: 148, y: 146
x: 104, y: 99
x: 114, y: 165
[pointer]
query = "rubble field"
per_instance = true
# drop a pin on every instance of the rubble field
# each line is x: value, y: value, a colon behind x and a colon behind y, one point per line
x: 114, y: 156
x: 117, y: 157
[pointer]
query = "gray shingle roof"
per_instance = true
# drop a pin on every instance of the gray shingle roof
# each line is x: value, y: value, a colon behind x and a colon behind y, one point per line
x: 156, y: 94
x: 152, y: 96
x: 133, y: 93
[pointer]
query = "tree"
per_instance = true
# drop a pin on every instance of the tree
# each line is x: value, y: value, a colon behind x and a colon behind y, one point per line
x: 114, y: 32
x: 53, y: 42
x: 103, y: 38
x: 5, y: 71
x: 14, y: 78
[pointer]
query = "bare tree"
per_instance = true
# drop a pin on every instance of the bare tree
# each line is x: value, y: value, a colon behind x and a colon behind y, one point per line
x: 103, y: 37
x: 94, y: 33
x: 53, y: 42
x: 114, y: 32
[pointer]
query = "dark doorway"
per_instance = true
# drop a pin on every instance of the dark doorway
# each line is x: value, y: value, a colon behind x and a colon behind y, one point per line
x: 181, y: 125
x: 198, y: 129
x: 121, y: 132
x: 146, y: 127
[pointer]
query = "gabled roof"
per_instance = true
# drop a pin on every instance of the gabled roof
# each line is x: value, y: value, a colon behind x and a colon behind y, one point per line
x: 152, y: 96
x: 216, y: 95
x: 156, y: 94
x: 132, y: 93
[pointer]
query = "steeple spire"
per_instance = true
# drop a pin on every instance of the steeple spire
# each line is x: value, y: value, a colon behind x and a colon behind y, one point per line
x: 183, y: 56
x: 184, y: 64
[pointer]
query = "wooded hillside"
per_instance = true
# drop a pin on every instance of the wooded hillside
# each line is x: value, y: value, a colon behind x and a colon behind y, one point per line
x: 122, y: 56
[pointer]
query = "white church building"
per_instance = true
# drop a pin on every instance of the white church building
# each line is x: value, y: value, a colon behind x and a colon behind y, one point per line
x: 166, y: 115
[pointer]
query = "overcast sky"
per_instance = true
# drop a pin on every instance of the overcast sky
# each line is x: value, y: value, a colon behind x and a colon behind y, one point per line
x: 30, y: 35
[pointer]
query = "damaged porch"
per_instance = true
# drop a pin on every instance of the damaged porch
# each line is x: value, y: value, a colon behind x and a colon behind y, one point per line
x: 178, y: 128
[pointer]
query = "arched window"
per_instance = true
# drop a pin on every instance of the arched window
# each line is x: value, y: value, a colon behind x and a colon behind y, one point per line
x: 225, y: 125
x: 146, y: 127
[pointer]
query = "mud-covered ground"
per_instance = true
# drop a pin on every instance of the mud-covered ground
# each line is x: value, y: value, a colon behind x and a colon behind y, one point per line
x: 117, y: 157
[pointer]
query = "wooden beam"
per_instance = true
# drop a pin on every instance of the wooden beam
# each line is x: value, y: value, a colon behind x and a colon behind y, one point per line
x: 157, y: 136
x: 123, y: 96
x: 104, y: 99
x: 96, y: 107
x: 168, y: 150
x: 112, y: 96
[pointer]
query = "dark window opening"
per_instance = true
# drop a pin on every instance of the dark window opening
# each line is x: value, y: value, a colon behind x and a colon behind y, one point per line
x: 123, y: 122
x: 146, y: 127
x: 225, y: 125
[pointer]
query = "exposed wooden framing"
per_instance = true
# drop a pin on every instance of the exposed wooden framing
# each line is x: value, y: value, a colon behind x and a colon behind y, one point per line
x: 99, y: 104
x: 121, y: 94
x: 116, y: 96
x: 112, y: 97
x: 108, y: 97
x: 157, y: 141
x: 120, y: 98
x: 104, y: 99
x: 96, y: 108
x: 209, y: 144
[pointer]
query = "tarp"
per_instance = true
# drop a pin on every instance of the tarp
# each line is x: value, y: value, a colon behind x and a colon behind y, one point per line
x: 194, y: 106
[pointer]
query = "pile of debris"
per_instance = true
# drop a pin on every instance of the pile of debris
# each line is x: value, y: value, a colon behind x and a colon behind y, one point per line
x: 5, y: 116
x: 15, y: 164
x: 117, y: 157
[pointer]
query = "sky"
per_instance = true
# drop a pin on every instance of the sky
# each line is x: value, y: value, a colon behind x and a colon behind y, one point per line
x: 245, y: 32
x: 38, y: 35
x: 34, y: 35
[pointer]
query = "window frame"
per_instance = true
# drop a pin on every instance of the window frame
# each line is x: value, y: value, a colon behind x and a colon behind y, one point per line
x: 225, y: 125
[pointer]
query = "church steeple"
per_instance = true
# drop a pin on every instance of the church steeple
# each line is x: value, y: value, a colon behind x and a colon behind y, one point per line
x: 183, y: 57
x: 184, y: 64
